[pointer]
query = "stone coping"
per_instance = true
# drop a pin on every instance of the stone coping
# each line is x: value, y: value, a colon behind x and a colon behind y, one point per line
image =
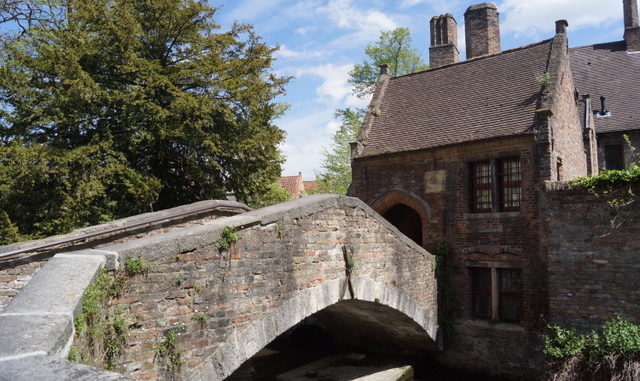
x: 37, y: 326
x: 231, y: 205
x: 194, y: 237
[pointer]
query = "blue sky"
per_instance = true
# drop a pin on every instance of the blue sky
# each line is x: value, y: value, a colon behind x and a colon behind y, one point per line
x: 321, y: 40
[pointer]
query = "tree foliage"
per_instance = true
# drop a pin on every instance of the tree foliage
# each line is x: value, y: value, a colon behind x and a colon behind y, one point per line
x: 335, y: 175
x: 274, y: 194
x: 147, y: 98
x: 392, y: 48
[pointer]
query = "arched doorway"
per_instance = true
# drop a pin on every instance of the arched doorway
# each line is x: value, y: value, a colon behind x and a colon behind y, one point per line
x: 407, y: 220
x: 405, y: 211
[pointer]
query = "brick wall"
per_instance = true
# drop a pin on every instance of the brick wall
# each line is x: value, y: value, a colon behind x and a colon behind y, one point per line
x: 266, y: 270
x: 511, y: 237
x: 567, y: 131
x: 594, y: 267
x: 617, y: 138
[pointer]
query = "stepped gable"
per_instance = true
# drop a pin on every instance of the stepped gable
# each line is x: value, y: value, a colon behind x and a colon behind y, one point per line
x: 486, y: 97
x: 608, y: 70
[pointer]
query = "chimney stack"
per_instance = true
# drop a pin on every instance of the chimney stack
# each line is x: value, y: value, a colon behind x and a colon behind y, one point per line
x: 631, y: 28
x: 444, y: 38
x: 482, y: 30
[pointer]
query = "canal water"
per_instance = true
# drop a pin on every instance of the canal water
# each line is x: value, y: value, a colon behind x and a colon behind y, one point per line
x: 309, y: 343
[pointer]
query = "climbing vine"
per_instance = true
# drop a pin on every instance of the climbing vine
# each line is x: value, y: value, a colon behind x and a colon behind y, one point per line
x: 447, y: 295
x: 618, y: 188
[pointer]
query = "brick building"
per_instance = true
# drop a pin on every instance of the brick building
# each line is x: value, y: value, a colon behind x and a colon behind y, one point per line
x: 460, y: 154
x: 294, y: 185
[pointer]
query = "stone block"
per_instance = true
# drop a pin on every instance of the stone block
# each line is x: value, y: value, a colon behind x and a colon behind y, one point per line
x: 58, y: 287
x: 34, y: 335
x: 45, y: 368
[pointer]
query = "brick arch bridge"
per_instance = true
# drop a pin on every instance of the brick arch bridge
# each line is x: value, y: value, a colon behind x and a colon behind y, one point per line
x: 331, y: 256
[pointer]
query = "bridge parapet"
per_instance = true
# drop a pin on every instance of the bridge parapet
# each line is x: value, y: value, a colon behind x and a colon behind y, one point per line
x: 289, y: 261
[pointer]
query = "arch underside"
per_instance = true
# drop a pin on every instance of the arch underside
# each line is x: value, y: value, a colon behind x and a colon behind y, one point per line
x: 404, y: 326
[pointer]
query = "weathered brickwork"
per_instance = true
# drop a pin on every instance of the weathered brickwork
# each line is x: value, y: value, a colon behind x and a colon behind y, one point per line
x: 482, y: 30
x: 594, y: 257
x: 568, y: 160
x: 617, y: 138
x: 15, y: 273
x: 13, y: 279
x: 510, y: 237
x: 210, y: 296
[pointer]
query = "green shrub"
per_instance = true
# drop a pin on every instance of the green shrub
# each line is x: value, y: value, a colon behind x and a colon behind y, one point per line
x: 563, y: 343
x: 616, y: 338
x: 621, y: 337
x: 135, y: 265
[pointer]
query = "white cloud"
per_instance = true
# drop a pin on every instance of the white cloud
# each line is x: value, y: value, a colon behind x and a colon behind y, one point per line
x: 536, y: 17
x: 437, y: 6
x: 284, y: 52
x: 334, y: 88
x: 462, y: 42
x: 303, y: 30
x: 365, y: 23
x: 332, y: 127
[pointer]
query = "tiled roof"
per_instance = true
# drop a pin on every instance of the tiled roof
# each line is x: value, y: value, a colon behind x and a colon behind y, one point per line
x: 485, y: 97
x: 310, y: 186
x: 292, y: 184
x: 607, y: 69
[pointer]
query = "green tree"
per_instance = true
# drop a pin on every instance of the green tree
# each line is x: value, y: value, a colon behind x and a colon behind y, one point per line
x: 335, y: 175
x: 151, y: 84
x: 8, y: 230
x: 274, y: 194
x: 392, y: 48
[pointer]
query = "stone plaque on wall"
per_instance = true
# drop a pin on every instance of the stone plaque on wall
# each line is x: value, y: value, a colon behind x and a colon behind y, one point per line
x: 434, y: 181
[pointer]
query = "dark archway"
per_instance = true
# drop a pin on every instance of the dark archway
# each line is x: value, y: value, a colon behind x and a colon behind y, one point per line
x: 407, y: 220
x: 406, y: 211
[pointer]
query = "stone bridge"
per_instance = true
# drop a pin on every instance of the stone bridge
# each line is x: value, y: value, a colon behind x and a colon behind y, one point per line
x: 328, y: 256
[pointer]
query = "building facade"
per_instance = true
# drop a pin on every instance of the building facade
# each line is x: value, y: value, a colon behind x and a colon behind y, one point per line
x: 457, y: 157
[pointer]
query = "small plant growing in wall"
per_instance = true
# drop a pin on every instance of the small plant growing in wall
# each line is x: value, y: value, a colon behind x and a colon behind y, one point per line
x: 115, y: 330
x: 100, y: 330
x: 227, y: 238
x: 376, y: 112
x: 543, y: 79
x: 135, y: 266
x: 201, y: 318
x: 168, y: 353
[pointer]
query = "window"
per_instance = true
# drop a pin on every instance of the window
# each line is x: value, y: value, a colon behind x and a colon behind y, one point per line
x: 509, y: 177
x: 496, y: 185
x: 496, y: 294
x: 482, y: 186
x: 613, y: 156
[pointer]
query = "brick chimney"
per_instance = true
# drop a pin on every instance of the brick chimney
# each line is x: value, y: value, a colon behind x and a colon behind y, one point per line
x: 482, y: 30
x: 444, y: 38
x: 631, y: 28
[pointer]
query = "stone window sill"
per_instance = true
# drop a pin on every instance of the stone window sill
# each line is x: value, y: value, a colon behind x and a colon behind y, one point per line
x: 497, y: 326
x: 493, y: 215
